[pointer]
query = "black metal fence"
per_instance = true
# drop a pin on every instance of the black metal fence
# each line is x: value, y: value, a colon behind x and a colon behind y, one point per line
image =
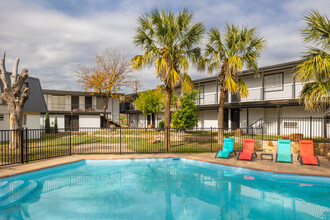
x: 295, y: 128
x: 36, y: 144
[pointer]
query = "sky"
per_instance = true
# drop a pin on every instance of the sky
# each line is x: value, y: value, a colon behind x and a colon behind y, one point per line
x: 51, y: 37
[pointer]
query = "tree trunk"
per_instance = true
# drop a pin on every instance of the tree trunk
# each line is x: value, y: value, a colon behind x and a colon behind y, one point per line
x: 105, y: 107
x: 167, y: 117
x: 15, y: 99
x: 15, y: 134
x: 221, y: 115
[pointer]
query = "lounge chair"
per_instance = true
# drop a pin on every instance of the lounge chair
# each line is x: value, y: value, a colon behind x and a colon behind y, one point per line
x: 248, y: 150
x: 306, y: 155
x: 227, y: 149
x: 283, y: 151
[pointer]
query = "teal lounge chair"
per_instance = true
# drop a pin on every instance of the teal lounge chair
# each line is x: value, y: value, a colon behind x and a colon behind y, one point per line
x: 284, y: 151
x: 228, y: 148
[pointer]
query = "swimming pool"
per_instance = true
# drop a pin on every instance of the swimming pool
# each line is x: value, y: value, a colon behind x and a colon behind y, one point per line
x: 161, y: 189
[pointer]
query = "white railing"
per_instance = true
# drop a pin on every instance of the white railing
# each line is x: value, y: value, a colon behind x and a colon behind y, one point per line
x: 287, y: 92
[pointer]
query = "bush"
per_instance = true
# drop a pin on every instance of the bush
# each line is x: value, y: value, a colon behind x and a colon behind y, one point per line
x: 161, y: 124
x: 55, y: 125
x: 185, y: 117
x: 47, y: 124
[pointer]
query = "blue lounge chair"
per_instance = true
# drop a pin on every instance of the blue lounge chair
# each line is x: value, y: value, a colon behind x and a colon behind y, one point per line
x: 284, y: 151
x: 228, y: 148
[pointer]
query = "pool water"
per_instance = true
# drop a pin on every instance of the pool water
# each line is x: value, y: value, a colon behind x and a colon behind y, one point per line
x: 161, y: 189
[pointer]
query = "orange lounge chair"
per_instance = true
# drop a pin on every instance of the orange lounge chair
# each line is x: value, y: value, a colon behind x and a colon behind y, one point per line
x: 248, y: 150
x: 306, y: 155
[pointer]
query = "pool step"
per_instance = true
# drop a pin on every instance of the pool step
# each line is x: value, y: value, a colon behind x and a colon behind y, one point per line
x: 9, y: 188
x: 17, y: 195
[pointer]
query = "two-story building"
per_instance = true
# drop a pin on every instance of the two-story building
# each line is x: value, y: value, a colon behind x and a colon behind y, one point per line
x: 34, y: 107
x: 274, y: 93
x: 78, y: 109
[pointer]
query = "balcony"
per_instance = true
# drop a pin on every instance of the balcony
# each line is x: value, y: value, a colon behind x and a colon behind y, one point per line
x: 289, y: 91
x: 73, y: 108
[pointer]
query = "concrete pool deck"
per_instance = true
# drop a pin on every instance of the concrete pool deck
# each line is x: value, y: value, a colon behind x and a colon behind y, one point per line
x: 256, y: 164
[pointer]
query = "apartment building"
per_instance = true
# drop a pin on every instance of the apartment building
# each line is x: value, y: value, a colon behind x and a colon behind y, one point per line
x: 78, y: 109
x: 34, y: 107
x: 274, y: 93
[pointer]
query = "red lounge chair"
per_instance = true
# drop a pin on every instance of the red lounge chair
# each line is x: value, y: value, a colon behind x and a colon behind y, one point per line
x: 248, y: 150
x: 306, y: 155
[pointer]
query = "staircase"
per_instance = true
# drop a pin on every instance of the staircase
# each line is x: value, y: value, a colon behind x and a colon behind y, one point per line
x: 14, y: 192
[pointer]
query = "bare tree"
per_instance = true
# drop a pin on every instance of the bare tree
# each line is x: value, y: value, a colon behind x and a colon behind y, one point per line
x: 107, y: 75
x: 15, y: 98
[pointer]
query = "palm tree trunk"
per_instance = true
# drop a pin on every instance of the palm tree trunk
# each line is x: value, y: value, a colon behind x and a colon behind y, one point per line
x: 167, y: 117
x: 220, y: 115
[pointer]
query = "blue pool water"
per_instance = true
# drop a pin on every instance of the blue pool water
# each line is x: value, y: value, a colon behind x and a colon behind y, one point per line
x: 161, y: 189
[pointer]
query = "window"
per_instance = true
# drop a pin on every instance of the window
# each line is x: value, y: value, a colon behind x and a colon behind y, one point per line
x: 201, y: 92
x: 273, y: 82
x: 58, y: 102
x: 88, y: 103
x: 290, y: 124
x: 1, y: 117
x: 99, y: 103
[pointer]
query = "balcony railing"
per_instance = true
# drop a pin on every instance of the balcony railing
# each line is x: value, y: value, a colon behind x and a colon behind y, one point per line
x: 288, y: 91
x: 73, y: 108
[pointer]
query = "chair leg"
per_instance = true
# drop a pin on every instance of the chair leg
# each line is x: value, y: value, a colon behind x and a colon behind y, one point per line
x: 238, y: 155
x: 276, y: 158
x: 318, y: 161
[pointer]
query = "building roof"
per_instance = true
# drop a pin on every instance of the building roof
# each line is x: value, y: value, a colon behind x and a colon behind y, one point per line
x: 68, y: 92
x: 285, y: 65
x: 36, y: 101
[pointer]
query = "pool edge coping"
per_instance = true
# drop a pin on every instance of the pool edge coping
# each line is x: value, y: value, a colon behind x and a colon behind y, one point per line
x: 169, y: 157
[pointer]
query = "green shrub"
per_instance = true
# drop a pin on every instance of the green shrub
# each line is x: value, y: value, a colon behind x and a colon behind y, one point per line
x: 47, y: 123
x: 161, y: 124
x: 185, y: 117
x: 55, y: 125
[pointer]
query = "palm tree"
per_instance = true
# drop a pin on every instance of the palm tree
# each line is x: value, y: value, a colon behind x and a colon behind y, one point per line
x: 227, y: 55
x: 315, y: 94
x: 169, y: 42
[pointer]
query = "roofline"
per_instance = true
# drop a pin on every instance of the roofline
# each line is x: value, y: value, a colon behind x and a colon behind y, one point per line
x: 245, y: 72
x: 69, y: 92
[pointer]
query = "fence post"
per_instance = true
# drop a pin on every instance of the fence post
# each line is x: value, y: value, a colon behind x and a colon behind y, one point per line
x: 26, y: 146
x: 252, y: 132
x: 262, y: 133
x: 211, y: 139
x: 310, y: 126
x: 167, y: 139
x: 120, y: 139
x: 22, y: 143
x: 70, y: 140
x: 325, y: 128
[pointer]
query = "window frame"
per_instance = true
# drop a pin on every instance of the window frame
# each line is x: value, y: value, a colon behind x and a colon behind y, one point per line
x: 275, y: 90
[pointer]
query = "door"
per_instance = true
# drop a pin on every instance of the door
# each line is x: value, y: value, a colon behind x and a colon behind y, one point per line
x: 71, y: 121
x: 235, y: 118
x: 225, y: 119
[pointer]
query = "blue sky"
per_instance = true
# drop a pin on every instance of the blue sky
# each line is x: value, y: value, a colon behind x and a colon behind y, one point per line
x: 52, y: 36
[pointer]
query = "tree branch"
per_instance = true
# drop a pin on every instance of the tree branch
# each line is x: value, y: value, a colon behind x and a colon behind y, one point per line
x: 24, y: 97
x: 13, y: 76
x: 3, y: 71
x: 20, y: 81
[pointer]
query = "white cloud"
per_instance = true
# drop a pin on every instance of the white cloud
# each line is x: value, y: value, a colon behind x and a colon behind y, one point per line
x: 51, y: 40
